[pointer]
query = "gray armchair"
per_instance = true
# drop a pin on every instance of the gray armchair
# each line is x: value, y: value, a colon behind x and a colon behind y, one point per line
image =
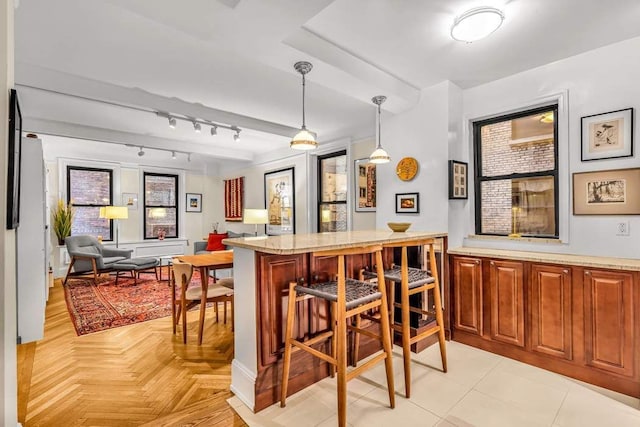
x: 88, y: 256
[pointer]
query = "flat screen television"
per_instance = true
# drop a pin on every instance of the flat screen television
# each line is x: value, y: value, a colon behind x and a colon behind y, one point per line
x: 14, y: 150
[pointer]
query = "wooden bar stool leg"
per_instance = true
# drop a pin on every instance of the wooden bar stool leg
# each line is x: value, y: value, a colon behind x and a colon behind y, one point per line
x: 356, y: 341
x: 438, y: 302
x: 333, y: 337
x: 286, y: 360
x: 406, y: 333
x: 341, y: 342
x: 385, y: 331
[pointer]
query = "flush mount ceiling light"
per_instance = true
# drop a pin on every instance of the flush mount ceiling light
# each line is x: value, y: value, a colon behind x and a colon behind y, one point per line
x: 304, y: 140
x: 476, y: 24
x: 379, y: 155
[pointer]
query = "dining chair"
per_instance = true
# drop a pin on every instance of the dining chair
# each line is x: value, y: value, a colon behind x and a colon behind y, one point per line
x: 185, y: 297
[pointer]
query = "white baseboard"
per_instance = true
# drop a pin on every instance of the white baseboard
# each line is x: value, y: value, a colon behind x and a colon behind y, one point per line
x: 243, y: 384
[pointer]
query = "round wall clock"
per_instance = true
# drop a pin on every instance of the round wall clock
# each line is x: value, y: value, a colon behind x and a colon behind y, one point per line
x: 407, y: 168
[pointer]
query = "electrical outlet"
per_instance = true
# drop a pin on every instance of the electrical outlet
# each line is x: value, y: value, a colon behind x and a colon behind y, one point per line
x: 622, y: 228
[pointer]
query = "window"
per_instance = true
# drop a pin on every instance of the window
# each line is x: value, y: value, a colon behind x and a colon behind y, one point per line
x: 89, y: 189
x: 516, y: 184
x: 160, y: 205
x: 332, y: 192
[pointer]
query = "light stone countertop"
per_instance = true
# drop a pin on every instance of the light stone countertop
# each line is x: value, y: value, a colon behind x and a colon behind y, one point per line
x: 552, y: 258
x: 304, y: 243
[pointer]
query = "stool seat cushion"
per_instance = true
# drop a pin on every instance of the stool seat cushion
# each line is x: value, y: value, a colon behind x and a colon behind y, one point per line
x: 135, y: 264
x: 357, y: 293
x: 227, y: 282
x: 417, y: 277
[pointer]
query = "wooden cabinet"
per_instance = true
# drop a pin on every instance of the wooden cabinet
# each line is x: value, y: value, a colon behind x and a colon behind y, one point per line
x: 609, y: 321
x: 578, y: 321
x: 506, y: 285
x: 550, y: 300
x: 467, y: 295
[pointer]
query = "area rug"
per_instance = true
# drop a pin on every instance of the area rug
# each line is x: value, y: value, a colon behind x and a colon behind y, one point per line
x: 96, y: 307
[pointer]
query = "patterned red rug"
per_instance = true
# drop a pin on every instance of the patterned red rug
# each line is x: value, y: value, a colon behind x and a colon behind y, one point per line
x: 103, y: 306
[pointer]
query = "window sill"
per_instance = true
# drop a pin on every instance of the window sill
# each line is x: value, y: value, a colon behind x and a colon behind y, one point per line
x: 544, y: 241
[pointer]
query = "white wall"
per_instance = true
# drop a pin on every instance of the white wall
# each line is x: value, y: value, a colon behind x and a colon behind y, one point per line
x: 598, y: 81
x: 8, y: 372
x: 254, y: 192
x: 422, y: 133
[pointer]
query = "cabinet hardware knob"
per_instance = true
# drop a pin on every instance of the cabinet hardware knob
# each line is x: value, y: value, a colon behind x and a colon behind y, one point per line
x: 493, y: 263
x: 565, y: 271
x: 477, y: 261
x: 587, y: 273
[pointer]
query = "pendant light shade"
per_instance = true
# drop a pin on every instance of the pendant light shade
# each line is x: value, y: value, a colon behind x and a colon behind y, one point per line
x: 304, y: 140
x: 379, y: 155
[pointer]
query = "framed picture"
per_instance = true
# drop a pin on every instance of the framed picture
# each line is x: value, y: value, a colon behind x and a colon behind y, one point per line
x: 14, y: 148
x: 279, y: 189
x: 365, y: 185
x: 194, y: 202
x: 407, y: 203
x: 607, y: 135
x: 611, y: 192
x: 130, y: 200
x: 457, y: 180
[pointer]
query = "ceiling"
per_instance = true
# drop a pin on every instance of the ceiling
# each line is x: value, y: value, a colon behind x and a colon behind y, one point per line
x: 231, y: 61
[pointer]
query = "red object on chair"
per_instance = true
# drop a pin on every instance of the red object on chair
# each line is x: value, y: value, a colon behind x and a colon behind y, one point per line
x: 215, y: 242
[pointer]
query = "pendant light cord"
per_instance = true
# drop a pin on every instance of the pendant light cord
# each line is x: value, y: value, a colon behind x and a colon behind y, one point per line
x: 379, y: 134
x: 303, y: 89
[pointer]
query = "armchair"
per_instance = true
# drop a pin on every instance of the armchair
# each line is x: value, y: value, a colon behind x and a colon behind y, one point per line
x: 88, y: 256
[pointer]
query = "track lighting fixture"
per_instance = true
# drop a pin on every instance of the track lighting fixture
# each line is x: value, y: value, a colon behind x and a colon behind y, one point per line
x: 141, y: 152
x: 189, y: 157
x: 236, y: 137
x: 173, y: 155
x: 172, y: 122
x: 197, y: 124
x: 304, y: 140
x: 214, y: 130
x: 196, y: 127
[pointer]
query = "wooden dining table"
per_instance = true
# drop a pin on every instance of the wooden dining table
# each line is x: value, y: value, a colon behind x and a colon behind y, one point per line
x: 216, y: 260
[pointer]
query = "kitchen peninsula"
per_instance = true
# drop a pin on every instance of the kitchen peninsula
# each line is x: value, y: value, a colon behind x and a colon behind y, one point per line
x: 263, y: 268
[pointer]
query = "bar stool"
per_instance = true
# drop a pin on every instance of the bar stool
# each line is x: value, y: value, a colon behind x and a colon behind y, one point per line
x: 412, y: 281
x: 348, y: 298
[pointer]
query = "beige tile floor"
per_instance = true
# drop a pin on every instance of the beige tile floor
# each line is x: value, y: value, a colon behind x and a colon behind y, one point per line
x: 480, y: 389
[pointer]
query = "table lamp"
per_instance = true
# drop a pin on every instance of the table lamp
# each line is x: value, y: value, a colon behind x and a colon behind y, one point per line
x: 256, y: 216
x: 115, y: 213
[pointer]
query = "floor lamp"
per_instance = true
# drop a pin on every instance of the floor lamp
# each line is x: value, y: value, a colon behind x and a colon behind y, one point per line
x: 115, y: 213
x: 256, y: 216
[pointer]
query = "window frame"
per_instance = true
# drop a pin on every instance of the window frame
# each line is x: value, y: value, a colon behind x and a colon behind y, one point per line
x: 479, y: 179
x: 145, y: 206
x: 85, y: 168
x: 319, y: 200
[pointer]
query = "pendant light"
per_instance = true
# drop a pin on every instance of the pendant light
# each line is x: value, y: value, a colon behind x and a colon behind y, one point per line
x: 304, y: 140
x: 379, y: 155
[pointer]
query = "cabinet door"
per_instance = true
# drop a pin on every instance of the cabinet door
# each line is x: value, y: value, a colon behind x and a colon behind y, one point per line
x: 276, y: 272
x: 550, y: 302
x: 507, y: 302
x: 467, y: 294
x: 609, y: 314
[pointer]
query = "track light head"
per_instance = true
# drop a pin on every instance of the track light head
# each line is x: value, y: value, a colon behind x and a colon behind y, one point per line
x: 214, y: 130
x: 189, y: 157
x: 172, y: 122
x: 141, y: 152
x: 173, y: 155
x: 236, y: 137
x: 196, y: 127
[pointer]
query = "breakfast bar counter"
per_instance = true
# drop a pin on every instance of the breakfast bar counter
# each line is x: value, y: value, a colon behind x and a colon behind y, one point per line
x: 263, y: 268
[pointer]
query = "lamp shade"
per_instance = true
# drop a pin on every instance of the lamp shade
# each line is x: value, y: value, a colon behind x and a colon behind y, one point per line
x: 379, y: 156
x: 304, y: 140
x: 114, y: 212
x: 256, y: 216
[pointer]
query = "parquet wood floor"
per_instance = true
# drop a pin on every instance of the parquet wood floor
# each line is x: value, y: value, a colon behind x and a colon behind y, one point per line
x: 134, y: 375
